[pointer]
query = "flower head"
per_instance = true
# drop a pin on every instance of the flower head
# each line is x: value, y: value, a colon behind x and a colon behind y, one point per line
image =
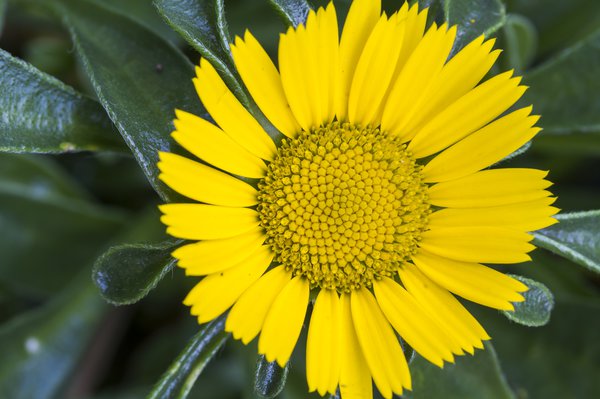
x: 377, y: 200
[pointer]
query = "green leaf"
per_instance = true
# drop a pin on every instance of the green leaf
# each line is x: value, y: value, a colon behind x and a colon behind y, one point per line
x: 128, y: 272
x: 202, y: 24
x: 535, y: 310
x: 139, y: 78
x: 293, y: 12
x: 181, y: 375
x: 477, y: 376
x: 565, y: 90
x: 558, y: 361
x: 474, y: 18
x: 520, y: 42
x: 50, y: 226
x: 270, y: 378
x: 560, y: 23
x: 41, y: 348
x: 575, y: 237
x: 40, y: 114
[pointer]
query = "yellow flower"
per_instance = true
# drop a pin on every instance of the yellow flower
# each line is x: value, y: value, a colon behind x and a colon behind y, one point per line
x: 376, y: 201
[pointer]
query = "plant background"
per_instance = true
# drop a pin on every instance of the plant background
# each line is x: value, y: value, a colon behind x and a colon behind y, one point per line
x: 80, y: 226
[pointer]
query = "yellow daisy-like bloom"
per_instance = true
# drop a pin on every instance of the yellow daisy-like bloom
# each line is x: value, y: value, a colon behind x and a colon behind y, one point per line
x: 377, y: 202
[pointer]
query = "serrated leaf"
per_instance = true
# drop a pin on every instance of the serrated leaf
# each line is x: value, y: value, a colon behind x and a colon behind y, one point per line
x: 477, y: 376
x: 128, y: 272
x: 270, y: 378
x: 575, y: 237
x: 40, y: 114
x: 50, y: 225
x: 565, y: 90
x: 40, y: 348
x: 473, y: 18
x: 558, y: 361
x: 520, y: 42
x: 138, y: 77
x: 293, y: 12
x: 536, y: 309
x: 181, y: 375
x: 202, y: 24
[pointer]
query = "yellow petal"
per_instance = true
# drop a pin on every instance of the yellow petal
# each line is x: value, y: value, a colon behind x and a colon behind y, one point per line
x: 472, y: 281
x: 374, y: 71
x: 283, y: 323
x: 328, y: 61
x: 412, y: 322
x: 207, y: 222
x: 264, y: 83
x: 323, y: 344
x: 523, y: 216
x: 211, y: 144
x: 216, y: 293
x: 483, y: 148
x: 415, y: 80
x: 308, y: 61
x: 467, y: 114
x: 294, y: 78
x: 379, y: 344
x: 361, y: 19
x: 478, y: 244
x: 248, y: 314
x: 413, y: 33
x: 230, y: 114
x: 492, y: 187
x: 355, y: 378
x: 444, y: 308
x: 455, y: 79
x: 203, y: 183
x: 211, y: 256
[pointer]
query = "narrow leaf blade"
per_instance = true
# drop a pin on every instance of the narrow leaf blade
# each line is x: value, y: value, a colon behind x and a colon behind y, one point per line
x: 139, y: 78
x: 183, y: 372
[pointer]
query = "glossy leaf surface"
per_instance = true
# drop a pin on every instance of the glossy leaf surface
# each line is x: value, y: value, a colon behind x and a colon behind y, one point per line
x: 202, y: 24
x: 127, y: 272
x: 535, y: 310
x: 40, y: 114
x: 41, y: 348
x: 180, y: 377
x: 139, y: 78
x: 575, y: 237
x: 474, y: 18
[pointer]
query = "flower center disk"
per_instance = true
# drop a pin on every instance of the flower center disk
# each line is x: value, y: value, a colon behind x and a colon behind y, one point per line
x: 343, y: 205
